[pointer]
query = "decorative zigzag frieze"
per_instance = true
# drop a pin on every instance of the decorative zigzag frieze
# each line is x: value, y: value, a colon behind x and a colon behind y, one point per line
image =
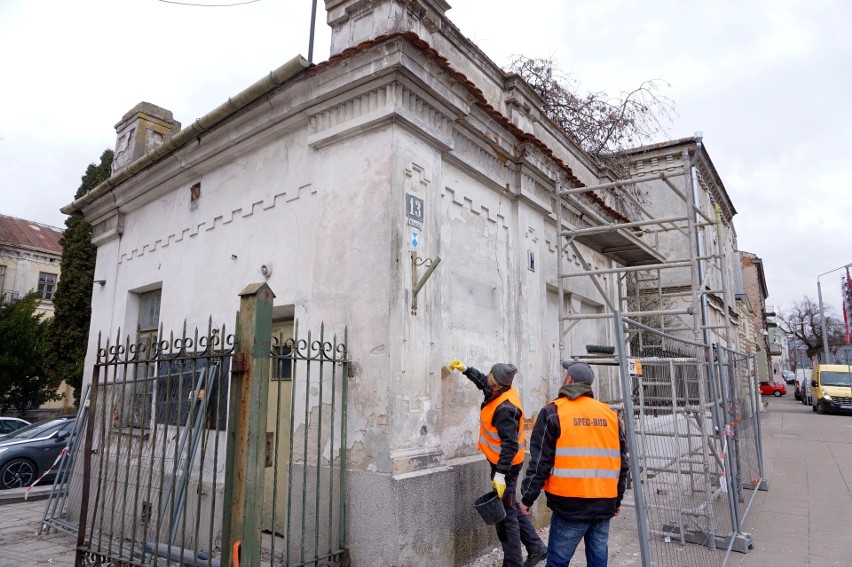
x: 474, y: 208
x: 234, y: 215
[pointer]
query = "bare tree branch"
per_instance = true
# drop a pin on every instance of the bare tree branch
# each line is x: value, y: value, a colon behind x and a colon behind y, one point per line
x: 600, y: 124
x: 804, y: 322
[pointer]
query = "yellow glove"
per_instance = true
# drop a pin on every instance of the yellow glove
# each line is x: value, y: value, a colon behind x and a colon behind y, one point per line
x: 499, y: 484
x: 457, y: 365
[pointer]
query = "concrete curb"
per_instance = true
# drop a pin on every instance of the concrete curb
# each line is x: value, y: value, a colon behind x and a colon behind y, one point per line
x: 18, y: 495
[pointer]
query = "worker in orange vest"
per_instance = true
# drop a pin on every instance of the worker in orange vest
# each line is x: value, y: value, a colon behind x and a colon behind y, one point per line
x: 578, y: 454
x: 501, y: 439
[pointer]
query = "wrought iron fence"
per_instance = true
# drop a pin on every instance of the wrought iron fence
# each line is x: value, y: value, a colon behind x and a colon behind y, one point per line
x: 145, y: 484
x: 152, y: 458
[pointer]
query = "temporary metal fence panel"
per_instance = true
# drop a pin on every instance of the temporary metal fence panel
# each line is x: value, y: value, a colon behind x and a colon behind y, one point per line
x: 304, y: 506
x: 681, y: 437
x: 67, y: 480
x: 153, y: 453
x: 742, y: 424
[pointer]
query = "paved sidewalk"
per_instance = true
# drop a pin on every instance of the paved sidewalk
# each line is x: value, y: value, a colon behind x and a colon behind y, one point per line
x: 803, y: 520
x: 19, y: 544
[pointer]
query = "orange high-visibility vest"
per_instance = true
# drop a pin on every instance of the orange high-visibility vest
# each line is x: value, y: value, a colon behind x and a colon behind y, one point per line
x: 489, y: 439
x: 588, y: 458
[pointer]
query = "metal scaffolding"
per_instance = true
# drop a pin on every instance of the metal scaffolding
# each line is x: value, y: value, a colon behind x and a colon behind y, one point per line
x: 668, y: 293
x: 644, y: 247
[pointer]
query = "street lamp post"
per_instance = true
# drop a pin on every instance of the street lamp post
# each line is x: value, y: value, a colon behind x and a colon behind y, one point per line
x: 822, y: 323
x: 822, y: 313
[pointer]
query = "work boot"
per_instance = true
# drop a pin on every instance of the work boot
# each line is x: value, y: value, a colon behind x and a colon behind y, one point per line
x: 536, y: 557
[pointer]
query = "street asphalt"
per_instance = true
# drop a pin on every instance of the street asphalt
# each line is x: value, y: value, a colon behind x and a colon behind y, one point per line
x: 804, y: 519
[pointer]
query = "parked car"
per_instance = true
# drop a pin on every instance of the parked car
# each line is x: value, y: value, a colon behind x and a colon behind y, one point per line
x: 789, y: 376
x: 773, y: 388
x: 805, y: 388
x: 831, y: 388
x: 803, y: 379
x: 27, y: 453
x: 10, y: 424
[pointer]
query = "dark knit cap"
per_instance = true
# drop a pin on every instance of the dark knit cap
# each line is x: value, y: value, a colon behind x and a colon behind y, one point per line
x: 579, y: 371
x: 503, y: 374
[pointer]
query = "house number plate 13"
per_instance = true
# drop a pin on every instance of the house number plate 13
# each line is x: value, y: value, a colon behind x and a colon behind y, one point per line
x: 414, y: 210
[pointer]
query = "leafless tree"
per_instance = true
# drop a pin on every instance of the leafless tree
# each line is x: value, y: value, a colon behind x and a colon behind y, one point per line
x: 601, y: 124
x: 803, y: 321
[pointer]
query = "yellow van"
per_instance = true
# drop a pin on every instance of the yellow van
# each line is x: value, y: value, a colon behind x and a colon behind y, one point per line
x: 831, y: 388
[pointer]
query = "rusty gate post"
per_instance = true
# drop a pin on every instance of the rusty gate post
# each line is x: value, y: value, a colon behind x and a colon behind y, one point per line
x: 247, y: 405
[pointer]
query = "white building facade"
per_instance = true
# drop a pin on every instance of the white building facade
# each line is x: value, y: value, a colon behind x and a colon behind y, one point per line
x: 323, y: 182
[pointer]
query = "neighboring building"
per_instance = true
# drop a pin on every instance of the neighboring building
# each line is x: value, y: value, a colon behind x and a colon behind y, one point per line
x: 756, y: 292
x: 798, y: 354
x: 29, y: 260
x: 30, y: 256
x: 715, y: 240
x: 778, y: 345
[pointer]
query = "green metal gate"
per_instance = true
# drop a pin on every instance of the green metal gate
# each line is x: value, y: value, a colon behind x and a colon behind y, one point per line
x: 304, y: 508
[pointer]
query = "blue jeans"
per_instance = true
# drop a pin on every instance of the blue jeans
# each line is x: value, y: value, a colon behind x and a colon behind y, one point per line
x: 565, y: 535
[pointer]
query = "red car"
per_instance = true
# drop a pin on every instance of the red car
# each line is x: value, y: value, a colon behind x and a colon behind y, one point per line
x: 773, y: 388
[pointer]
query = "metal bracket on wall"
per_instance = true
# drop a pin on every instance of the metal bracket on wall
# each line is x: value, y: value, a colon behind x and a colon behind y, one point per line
x: 417, y: 284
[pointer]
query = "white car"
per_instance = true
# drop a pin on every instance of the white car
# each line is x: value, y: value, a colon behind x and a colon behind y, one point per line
x: 10, y: 424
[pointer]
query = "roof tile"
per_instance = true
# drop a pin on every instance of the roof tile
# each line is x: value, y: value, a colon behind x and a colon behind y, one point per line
x: 30, y: 234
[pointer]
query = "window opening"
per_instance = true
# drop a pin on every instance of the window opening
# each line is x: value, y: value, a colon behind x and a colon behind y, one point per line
x: 46, y: 285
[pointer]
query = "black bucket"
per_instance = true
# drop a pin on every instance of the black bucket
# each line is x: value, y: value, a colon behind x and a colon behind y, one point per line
x: 490, y: 508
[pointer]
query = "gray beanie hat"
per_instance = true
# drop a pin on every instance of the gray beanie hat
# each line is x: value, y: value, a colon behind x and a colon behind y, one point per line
x: 579, y: 371
x: 503, y: 374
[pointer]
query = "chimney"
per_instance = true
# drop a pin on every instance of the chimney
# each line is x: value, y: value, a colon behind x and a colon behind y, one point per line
x: 354, y: 21
x: 143, y: 128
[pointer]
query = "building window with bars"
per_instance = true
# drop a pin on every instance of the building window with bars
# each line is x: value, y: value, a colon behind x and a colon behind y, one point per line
x: 46, y: 285
x: 282, y: 362
x: 193, y: 391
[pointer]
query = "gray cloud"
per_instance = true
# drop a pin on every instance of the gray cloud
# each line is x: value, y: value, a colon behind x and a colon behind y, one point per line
x: 767, y: 83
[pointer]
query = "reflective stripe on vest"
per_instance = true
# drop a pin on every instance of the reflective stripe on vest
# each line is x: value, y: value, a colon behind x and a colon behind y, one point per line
x: 489, y: 438
x: 587, y: 463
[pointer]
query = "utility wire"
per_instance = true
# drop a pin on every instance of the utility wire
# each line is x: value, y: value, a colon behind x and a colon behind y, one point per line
x: 209, y: 5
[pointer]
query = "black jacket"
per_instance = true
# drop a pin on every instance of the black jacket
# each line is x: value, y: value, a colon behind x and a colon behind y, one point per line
x: 506, y: 420
x: 542, y: 454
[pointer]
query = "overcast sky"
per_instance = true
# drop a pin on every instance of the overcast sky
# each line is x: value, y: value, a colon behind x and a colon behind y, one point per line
x: 769, y: 84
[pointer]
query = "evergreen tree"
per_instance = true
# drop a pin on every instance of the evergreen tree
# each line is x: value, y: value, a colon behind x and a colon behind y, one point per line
x: 72, y: 302
x: 23, y: 385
